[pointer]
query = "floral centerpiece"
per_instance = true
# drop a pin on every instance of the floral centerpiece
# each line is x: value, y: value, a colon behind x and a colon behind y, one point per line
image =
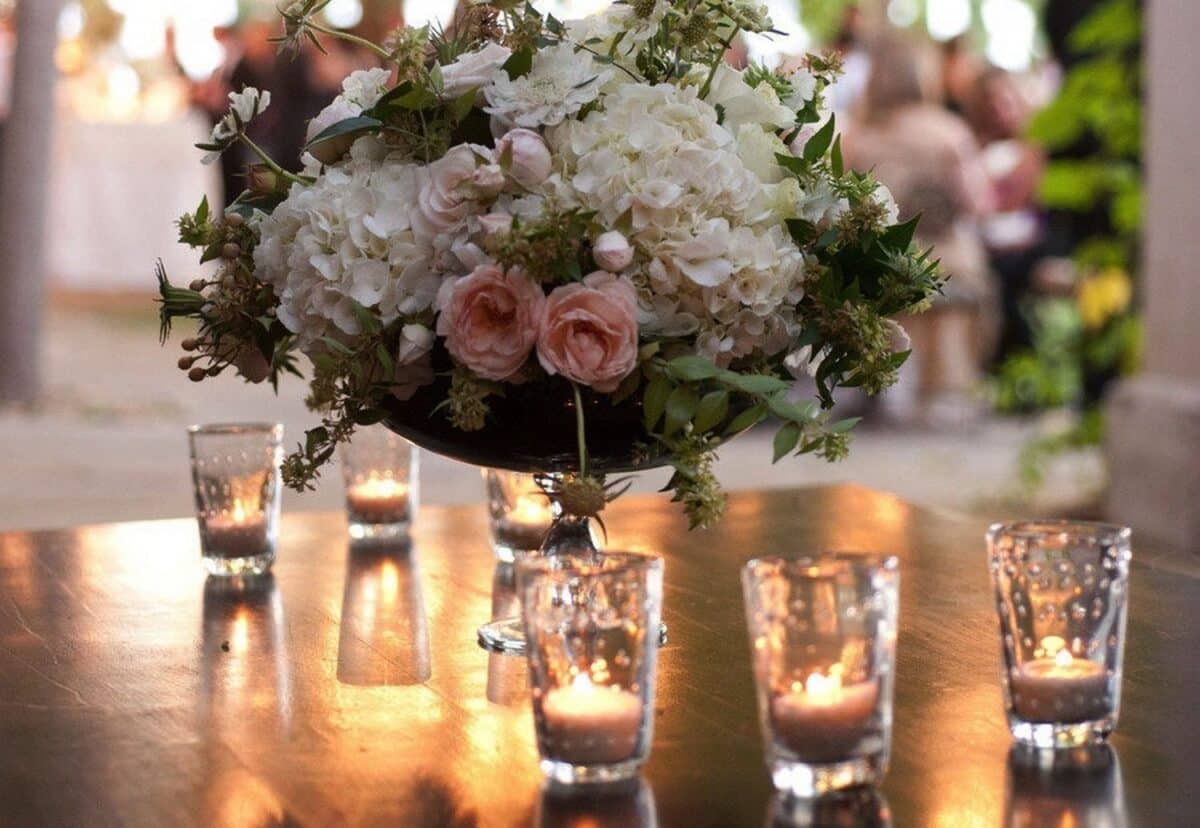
x: 526, y: 228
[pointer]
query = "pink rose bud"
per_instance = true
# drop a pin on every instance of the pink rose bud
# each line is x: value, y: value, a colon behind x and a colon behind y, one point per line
x: 590, y: 333
x: 488, y: 180
x: 612, y: 252
x: 526, y: 156
x: 494, y: 226
x: 490, y: 319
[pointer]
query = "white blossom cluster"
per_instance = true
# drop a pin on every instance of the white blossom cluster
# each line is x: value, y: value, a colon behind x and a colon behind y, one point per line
x: 349, y: 237
x: 688, y: 195
x: 702, y: 202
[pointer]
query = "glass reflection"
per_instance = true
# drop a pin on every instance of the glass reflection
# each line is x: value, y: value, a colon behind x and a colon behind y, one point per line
x: 384, y: 634
x: 1064, y: 788
x: 246, y: 674
x: 624, y: 805
x: 507, y: 675
x: 862, y: 807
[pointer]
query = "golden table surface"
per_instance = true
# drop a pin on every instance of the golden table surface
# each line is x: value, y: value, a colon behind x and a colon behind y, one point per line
x: 349, y: 690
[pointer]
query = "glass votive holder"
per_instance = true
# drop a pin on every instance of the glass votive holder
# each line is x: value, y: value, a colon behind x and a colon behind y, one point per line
x: 235, y: 470
x: 823, y: 643
x: 519, y: 512
x: 591, y: 630
x: 381, y: 470
x: 1061, y: 593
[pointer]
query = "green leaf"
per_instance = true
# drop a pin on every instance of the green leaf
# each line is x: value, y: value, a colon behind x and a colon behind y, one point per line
x: 692, y: 368
x: 681, y: 407
x: 818, y: 145
x: 791, y: 163
x: 202, y: 211
x: 520, y: 63
x: 802, y: 231
x: 750, y: 417
x: 754, y: 383
x: 385, y: 359
x: 900, y: 236
x: 785, y: 440
x: 654, y: 402
x: 837, y: 164
x: 349, y: 125
x: 712, y: 411
x: 842, y: 426
x: 627, y: 387
x: 461, y: 106
x: 786, y: 410
x: 334, y: 345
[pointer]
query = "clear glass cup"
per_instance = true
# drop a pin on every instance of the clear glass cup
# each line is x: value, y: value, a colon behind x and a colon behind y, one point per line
x: 823, y: 642
x: 1061, y: 591
x: 381, y: 470
x: 235, y: 469
x: 591, y: 630
x: 520, y: 514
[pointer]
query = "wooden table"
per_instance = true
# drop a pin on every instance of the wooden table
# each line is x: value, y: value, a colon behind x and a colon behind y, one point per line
x: 349, y: 688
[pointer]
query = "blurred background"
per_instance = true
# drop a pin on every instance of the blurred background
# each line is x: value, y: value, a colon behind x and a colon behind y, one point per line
x: 1013, y: 126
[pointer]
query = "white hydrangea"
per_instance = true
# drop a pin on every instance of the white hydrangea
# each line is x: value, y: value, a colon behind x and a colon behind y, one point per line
x: 711, y: 260
x: 561, y: 82
x: 348, y: 238
x: 745, y: 104
x: 804, y: 89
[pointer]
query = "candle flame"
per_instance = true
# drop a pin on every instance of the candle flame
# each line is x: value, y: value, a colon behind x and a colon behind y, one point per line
x: 1062, y: 658
x: 822, y: 687
x: 1053, y: 645
x: 239, y: 511
x: 531, y: 510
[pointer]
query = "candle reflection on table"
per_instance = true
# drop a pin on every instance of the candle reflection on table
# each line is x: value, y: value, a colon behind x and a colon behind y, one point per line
x: 384, y: 634
x: 862, y: 807
x: 1080, y: 787
x: 628, y: 804
x: 247, y: 675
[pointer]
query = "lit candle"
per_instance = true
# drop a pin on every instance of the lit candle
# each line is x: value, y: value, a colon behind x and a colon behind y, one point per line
x: 590, y: 725
x: 824, y: 720
x: 525, y: 527
x: 378, y: 501
x: 1059, y: 687
x: 237, y: 533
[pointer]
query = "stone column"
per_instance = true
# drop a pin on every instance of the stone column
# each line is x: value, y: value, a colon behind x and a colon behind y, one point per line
x: 26, y: 166
x: 1153, y: 442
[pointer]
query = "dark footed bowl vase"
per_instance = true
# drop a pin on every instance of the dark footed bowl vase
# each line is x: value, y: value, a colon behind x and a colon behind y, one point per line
x: 530, y: 429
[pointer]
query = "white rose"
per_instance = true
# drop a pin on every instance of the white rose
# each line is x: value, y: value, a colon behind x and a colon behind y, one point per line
x: 525, y: 155
x: 612, y: 252
x: 473, y: 70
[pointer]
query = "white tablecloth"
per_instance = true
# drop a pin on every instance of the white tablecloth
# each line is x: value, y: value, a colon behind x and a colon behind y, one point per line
x: 116, y: 191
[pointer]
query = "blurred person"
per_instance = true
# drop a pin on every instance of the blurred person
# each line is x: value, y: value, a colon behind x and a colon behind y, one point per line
x: 961, y: 69
x: 1015, y: 231
x: 930, y: 160
x: 850, y: 43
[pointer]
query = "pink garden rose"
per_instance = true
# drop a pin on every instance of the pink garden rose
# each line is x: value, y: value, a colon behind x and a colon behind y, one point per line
x: 490, y: 319
x: 447, y: 196
x: 589, y: 333
x: 525, y: 155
